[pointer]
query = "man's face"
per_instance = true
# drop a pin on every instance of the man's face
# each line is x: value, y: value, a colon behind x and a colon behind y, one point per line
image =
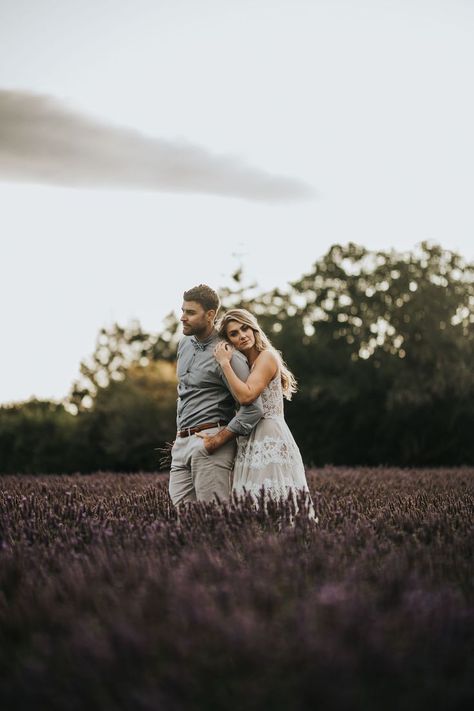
x: 195, y: 319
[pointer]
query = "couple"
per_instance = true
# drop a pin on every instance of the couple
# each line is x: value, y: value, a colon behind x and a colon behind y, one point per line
x: 215, y: 369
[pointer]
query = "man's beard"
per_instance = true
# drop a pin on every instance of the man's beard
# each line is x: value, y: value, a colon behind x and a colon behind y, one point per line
x: 197, y: 331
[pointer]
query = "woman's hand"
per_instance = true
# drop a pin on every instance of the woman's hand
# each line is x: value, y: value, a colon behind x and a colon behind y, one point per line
x: 223, y: 352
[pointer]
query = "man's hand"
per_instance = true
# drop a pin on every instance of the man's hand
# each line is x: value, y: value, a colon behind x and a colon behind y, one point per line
x: 213, y: 442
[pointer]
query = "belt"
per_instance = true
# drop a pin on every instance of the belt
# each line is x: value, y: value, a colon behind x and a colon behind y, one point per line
x: 206, y: 426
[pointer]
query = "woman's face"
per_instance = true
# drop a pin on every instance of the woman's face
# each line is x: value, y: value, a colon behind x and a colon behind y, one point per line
x: 240, y: 335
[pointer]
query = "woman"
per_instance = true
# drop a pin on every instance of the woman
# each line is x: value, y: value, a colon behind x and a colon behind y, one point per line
x: 269, y: 456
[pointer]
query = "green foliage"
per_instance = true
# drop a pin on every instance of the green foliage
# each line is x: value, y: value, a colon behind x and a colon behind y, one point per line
x: 382, y: 344
x: 117, y: 349
x: 36, y: 436
x: 413, y: 315
x: 132, y: 416
x: 128, y: 421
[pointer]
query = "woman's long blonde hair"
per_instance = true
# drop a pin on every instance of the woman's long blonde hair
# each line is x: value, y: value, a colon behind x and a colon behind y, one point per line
x: 262, y: 343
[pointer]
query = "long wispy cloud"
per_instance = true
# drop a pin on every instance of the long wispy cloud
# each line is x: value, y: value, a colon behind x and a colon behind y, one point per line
x: 44, y: 141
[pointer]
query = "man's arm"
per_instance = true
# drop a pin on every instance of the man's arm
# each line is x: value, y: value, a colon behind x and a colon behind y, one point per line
x: 217, y: 440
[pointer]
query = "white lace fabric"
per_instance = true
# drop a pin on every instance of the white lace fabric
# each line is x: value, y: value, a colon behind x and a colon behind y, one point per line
x: 266, y: 451
x: 272, y: 399
x: 269, y: 457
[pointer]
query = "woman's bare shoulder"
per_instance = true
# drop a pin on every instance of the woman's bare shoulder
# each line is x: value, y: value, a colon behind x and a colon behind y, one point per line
x: 267, y: 360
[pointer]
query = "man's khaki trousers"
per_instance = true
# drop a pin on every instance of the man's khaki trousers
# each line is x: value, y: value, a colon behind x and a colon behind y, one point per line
x: 198, y: 476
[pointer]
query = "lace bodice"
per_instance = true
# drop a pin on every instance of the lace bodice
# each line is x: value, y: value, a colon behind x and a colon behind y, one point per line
x: 272, y: 399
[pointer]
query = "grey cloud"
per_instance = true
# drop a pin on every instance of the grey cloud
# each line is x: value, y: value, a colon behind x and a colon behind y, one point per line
x: 43, y: 141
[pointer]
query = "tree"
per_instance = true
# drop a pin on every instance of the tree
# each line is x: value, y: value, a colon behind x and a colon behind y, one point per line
x: 412, y: 314
x: 117, y: 349
x: 134, y: 417
x: 383, y: 345
x: 37, y: 436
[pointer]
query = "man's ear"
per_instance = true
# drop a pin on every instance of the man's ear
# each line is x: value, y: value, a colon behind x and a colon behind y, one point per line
x: 211, y: 315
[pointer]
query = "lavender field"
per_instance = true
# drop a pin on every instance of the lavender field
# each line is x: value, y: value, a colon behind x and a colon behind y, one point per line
x: 108, y: 601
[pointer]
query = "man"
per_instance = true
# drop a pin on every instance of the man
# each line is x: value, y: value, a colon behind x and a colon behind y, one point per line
x: 204, y: 450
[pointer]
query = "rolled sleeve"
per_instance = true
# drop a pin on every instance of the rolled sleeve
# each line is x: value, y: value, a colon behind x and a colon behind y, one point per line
x: 247, y: 416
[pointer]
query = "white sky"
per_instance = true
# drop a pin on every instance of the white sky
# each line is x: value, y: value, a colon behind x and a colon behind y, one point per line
x: 370, y: 102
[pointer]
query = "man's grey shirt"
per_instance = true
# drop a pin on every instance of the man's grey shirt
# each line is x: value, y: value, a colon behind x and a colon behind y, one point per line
x: 203, y: 392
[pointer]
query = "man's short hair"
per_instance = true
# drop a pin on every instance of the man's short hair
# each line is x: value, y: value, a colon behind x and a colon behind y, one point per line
x: 205, y: 296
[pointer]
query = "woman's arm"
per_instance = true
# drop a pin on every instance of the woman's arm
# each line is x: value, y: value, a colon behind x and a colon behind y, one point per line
x: 264, y: 370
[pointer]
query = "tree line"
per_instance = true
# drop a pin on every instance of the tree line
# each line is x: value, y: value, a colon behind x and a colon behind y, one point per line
x: 381, y: 343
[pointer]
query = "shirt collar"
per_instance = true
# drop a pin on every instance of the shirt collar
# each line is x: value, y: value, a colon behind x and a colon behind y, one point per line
x: 202, y: 345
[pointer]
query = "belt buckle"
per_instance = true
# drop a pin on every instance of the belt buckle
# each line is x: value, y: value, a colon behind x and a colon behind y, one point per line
x: 189, y: 431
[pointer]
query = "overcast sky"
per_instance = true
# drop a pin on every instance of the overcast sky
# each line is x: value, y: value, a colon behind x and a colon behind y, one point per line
x: 143, y: 144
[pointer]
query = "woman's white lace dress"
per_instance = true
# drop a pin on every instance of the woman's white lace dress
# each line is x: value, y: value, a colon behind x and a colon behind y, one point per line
x: 269, y: 457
